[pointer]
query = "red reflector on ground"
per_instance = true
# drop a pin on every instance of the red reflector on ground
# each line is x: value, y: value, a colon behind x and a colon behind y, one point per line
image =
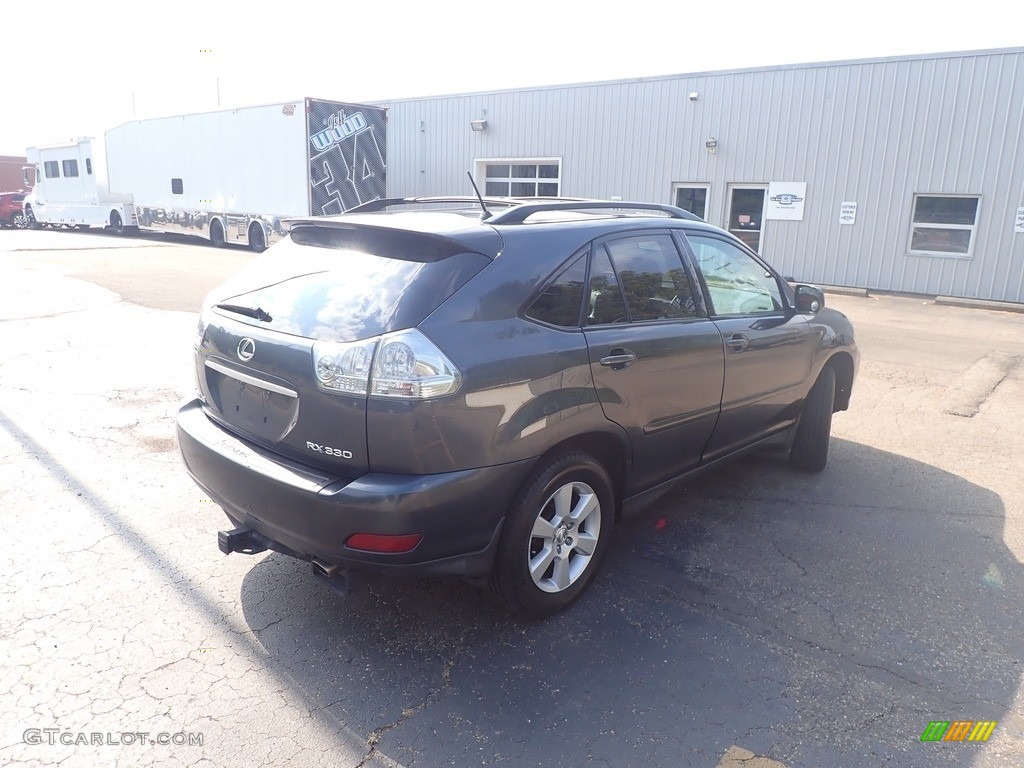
x: 378, y: 542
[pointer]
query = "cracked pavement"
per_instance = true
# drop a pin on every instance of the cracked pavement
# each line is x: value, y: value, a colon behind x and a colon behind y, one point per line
x: 756, y: 617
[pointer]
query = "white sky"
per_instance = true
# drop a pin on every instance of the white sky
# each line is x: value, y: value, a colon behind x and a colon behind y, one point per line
x: 77, y: 65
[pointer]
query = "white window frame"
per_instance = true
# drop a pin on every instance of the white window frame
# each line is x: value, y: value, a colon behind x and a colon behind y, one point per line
x: 677, y: 185
x: 482, y: 163
x: 973, y: 228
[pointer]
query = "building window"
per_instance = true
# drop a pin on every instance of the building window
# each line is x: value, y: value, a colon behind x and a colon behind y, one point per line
x: 943, y: 225
x: 70, y: 168
x: 692, y: 198
x: 522, y: 177
x: 52, y: 169
x: 177, y: 188
x: 88, y: 165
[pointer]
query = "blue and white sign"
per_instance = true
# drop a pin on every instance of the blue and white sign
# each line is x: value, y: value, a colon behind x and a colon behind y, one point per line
x: 848, y: 212
x: 786, y: 200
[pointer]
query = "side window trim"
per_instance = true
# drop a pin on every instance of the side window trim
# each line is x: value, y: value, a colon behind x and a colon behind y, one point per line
x: 596, y: 247
x: 696, y: 278
x: 787, y: 305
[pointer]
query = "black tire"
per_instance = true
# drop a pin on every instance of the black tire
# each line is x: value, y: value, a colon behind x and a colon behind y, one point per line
x: 810, y: 445
x: 116, y: 225
x: 257, y: 237
x: 18, y: 221
x: 30, y: 219
x: 540, y: 594
x: 217, y: 234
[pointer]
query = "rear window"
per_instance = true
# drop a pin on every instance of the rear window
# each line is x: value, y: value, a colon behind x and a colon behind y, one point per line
x: 345, y: 285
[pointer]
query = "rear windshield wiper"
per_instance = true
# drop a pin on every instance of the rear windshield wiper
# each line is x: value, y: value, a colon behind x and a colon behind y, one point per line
x: 256, y: 312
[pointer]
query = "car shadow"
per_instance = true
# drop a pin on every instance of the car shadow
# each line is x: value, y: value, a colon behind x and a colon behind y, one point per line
x: 815, y: 619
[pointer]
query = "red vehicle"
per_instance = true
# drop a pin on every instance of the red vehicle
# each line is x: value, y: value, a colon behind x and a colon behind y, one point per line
x: 12, y: 209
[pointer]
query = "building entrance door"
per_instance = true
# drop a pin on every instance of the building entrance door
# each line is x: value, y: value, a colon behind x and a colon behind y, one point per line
x: 746, y: 213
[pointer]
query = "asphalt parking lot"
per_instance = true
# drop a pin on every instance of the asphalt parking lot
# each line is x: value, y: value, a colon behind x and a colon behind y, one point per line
x: 757, y: 617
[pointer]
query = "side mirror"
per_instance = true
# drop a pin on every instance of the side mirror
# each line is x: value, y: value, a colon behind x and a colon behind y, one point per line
x: 809, y: 299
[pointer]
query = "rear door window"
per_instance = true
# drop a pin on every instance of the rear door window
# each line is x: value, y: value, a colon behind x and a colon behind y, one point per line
x: 606, y: 304
x: 653, y: 280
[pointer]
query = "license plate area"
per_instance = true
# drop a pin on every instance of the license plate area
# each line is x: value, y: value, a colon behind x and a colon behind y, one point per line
x: 261, y: 408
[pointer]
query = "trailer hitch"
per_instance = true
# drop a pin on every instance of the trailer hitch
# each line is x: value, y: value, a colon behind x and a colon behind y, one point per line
x: 243, y: 540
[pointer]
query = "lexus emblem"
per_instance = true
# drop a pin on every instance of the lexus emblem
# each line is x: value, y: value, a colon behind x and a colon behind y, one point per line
x: 246, y: 349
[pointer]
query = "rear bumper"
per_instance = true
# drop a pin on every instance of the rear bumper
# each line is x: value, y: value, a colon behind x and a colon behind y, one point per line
x: 310, y: 514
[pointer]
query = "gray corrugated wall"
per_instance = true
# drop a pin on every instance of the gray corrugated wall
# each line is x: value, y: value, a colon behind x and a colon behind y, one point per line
x: 874, y: 132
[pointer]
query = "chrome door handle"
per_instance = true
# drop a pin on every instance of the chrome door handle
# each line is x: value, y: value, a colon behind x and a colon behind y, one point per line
x: 737, y: 342
x: 618, y: 361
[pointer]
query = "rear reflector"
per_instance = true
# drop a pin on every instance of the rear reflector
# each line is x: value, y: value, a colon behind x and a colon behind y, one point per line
x: 377, y: 542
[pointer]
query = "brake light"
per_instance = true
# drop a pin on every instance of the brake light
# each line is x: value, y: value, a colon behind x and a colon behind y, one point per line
x: 343, y: 367
x: 405, y: 364
x: 201, y: 327
x: 379, y: 542
x: 409, y: 365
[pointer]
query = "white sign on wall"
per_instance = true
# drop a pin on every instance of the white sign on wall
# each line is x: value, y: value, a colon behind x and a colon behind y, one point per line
x: 848, y: 213
x: 1018, y: 225
x: 786, y: 200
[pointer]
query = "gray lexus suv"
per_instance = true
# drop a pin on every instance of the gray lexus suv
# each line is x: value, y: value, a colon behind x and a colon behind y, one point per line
x: 482, y: 387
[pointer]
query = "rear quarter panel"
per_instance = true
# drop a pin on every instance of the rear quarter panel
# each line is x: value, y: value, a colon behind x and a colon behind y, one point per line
x: 525, y: 387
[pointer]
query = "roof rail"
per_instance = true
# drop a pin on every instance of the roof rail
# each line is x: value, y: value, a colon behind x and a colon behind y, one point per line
x: 521, y: 208
x: 380, y: 204
x: 519, y: 213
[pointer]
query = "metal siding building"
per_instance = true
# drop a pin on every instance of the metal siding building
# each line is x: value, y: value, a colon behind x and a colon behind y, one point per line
x: 880, y: 133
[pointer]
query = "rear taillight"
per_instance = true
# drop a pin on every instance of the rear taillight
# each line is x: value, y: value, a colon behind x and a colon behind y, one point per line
x: 201, y: 330
x: 204, y: 322
x: 409, y: 365
x: 343, y: 367
x: 405, y: 365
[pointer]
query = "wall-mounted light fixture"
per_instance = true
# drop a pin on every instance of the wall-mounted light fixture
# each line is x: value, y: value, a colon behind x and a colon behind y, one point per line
x: 694, y: 95
x: 711, y: 145
x: 478, y: 125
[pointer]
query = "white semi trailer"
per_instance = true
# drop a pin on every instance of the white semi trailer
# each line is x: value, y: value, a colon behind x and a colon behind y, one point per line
x: 232, y: 176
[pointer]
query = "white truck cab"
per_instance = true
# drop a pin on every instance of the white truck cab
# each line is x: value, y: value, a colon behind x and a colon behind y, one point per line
x: 67, y: 191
